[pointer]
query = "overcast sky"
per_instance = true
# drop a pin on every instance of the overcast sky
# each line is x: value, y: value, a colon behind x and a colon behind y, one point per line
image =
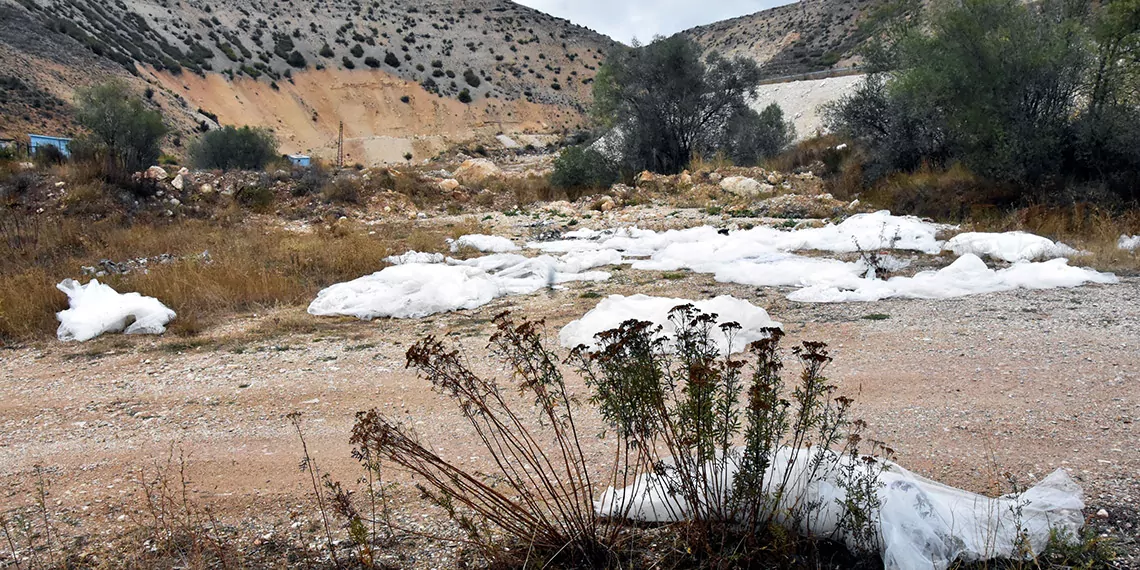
x: 623, y: 20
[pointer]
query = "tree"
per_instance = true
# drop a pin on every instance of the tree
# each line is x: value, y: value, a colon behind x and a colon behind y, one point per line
x: 665, y: 103
x: 122, y: 129
x: 990, y: 83
x: 752, y: 137
x: 234, y: 148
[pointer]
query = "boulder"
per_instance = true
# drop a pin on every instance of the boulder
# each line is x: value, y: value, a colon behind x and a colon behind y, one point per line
x: 177, y: 182
x: 476, y: 170
x: 183, y: 171
x: 685, y: 179
x: 206, y: 189
x: 714, y: 177
x: 448, y: 184
x: 744, y: 186
x: 606, y: 204
x: 156, y: 173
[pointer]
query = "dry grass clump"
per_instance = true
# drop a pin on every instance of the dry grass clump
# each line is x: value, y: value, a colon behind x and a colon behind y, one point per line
x: 219, y: 267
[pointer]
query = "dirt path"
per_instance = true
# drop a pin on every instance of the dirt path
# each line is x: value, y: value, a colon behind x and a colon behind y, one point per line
x: 965, y: 389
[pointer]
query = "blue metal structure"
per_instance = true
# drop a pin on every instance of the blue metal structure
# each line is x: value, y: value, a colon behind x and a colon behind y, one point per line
x: 38, y: 141
x: 299, y: 160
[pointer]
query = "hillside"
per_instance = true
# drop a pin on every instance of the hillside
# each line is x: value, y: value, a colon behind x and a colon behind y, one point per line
x: 806, y: 36
x: 272, y: 63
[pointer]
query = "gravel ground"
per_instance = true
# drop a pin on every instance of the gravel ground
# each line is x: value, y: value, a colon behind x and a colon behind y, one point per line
x: 964, y: 390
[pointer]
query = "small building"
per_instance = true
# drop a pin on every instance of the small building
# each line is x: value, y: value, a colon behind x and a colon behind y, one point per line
x: 35, y: 142
x: 301, y: 160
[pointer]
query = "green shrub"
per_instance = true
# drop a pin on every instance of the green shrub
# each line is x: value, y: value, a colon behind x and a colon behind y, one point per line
x: 391, y: 59
x: 357, y: 50
x: 464, y: 96
x: 371, y: 62
x: 258, y: 197
x: 472, y: 78
x: 327, y: 51
x: 123, y: 131
x: 579, y: 167
x: 231, y: 147
x: 347, y: 63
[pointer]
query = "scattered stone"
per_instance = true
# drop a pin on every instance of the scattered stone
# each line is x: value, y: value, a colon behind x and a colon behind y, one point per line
x: 155, y: 173
x: 476, y: 170
x: 1102, y: 514
x: 206, y: 189
x: 449, y: 184
x: 177, y: 182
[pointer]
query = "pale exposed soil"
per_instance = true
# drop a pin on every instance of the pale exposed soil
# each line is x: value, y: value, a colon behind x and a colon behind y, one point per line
x: 379, y: 128
x: 964, y: 390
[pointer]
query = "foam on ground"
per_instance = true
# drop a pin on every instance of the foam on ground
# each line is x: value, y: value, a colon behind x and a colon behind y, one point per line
x: 416, y: 289
x: 96, y: 308
x: 1008, y: 246
x: 484, y: 243
x: 968, y: 275
x: 616, y: 309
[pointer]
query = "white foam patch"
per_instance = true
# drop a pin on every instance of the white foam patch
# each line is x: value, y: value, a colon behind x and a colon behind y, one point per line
x: 414, y: 290
x: 484, y: 243
x: 968, y: 275
x: 1008, y: 246
x: 1128, y: 243
x: 414, y: 256
x: 616, y: 309
x: 921, y: 523
x: 96, y: 308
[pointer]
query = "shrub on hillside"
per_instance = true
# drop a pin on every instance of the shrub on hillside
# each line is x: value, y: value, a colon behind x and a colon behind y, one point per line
x: 464, y: 96
x: 230, y: 148
x: 753, y: 136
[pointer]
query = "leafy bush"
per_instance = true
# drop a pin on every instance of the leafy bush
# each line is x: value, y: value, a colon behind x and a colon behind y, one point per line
x: 465, y: 96
x: 258, y: 197
x: 659, y: 396
x: 371, y: 62
x: 357, y: 50
x: 472, y: 78
x: 232, y: 147
x: 327, y: 51
x: 347, y: 63
x: 579, y: 167
x: 391, y: 59
x: 1051, y: 112
x: 344, y: 189
x: 124, y: 133
x: 751, y: 137
x: 666, y: 103
x: 297, y: 60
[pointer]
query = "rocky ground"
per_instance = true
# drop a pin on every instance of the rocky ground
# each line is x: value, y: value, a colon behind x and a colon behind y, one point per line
x: 965, y: 390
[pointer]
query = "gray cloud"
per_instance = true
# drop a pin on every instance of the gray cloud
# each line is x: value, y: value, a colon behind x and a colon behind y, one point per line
x: 624, y: 20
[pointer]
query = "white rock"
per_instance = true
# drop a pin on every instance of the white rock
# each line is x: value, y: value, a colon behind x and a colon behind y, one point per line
x: 448, y: 184
x: 177, y: 182
x: 206, y: 189
x: 156, y: 173
x: 1102, y: 514
x: 744, y: 186
x: 476, y: 170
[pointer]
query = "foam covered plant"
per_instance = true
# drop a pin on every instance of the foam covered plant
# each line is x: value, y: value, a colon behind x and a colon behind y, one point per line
x: 708, y: 423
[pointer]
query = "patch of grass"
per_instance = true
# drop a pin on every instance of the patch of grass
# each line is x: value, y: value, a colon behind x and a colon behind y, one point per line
x: 590, y: 295
x: 673, y: 276
x: 249, y: 267
x: 876, y: 317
